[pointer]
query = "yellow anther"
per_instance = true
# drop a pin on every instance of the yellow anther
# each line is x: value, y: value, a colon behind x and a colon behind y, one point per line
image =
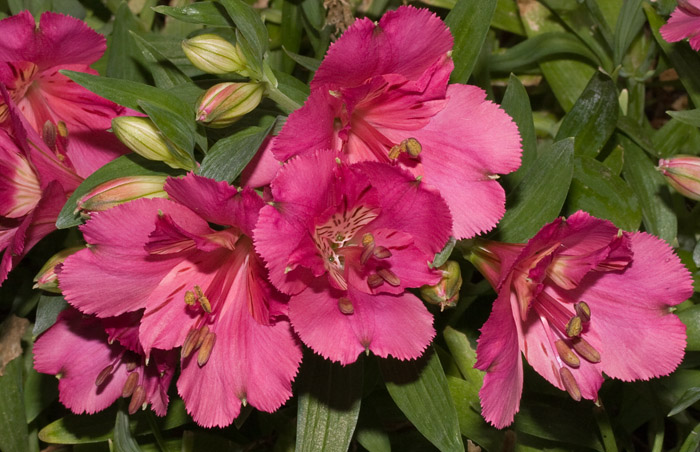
x: 190, y: 298
x: 583, y: 311
x: 574, y: 327
x: 367, y: 239
x: 394, y: 152
x: 412, y: 146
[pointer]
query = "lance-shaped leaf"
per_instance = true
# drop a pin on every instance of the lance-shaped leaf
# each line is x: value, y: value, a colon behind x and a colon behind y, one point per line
x: 469, y: 22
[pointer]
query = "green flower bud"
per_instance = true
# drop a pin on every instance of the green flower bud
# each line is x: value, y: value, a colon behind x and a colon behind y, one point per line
x: 143, y: 137
x: 215, y: 55
x: 445, y: 292
x: 121, y: 190
x: 225, y: 103
x: 682, y: 172
x: 47, y: 279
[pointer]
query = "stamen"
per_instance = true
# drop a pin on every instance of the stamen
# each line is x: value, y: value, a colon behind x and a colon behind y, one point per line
x: 131, y: 382
x: 374, y: 281
x: 203, y: 300
x: 574, y: 326
x: 367, y: 252
x: 586, y: 350
x: 48, y: 134
x: 190, y: 299
x: 137, y: 399
x: 382, y: 252
x: 413, y: 146
x: 104, y: 373
x: 188, y: 345
x: 566, y: 354
x: 345, y: 306
x: 367, y: 239
x: 203, y: 332
x: 389, y: 276
x: 131, y: 365
x: 567, y: 378
x: 583, y: 311
x: 394, y: 152
x: 205, y: 349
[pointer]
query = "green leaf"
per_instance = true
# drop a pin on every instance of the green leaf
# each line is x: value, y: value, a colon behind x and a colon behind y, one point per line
x: 123, y: 60
x: 637, y: 134
x: 675, y: 137
x: 517, y: 104
x: 469, y: 23
x: 507, y: 17
x: 539, y: 197
x: 444, y: 254
x: 593, y: 118
x: 227, y: 158
x: 249, y: 24
x: 692, y: 442
x: 538, y: 48
x: 212, y: 14
x: 126, y: 165
x: 690, y: 396
x: 691, y: 318
x: 46, y: 312
x: 374, y: 440
x: 601, y: 193
x: 651, y: 189
x: 691, y: 117
x: 292, y: 30
x: 684, y: 60
x: 329, y: 404
x: 179, y: 130
x: 123, y: 441
x: 465, y: 394
x: 14, y: 435
x: 165, y: 74
x: 309, y: 63
x: 629, y: 24
x: 419, y: 388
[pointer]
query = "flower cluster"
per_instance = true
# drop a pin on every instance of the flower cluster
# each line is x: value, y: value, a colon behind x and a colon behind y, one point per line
x: 362, y: 187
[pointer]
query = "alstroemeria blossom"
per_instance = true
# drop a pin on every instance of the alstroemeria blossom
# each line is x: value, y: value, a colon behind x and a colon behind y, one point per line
x: 581, y: 298
x: 203, y: 289
x: 99, y: 360
x: 345, y: 241
x: 34, y: 185
x: 381, y: 94
x: 30, y: 58
x: 684, y: 23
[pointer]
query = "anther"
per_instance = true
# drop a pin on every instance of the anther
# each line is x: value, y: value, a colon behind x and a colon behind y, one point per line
x: 583, y: 311
x: 367, y: 252
x: 131, y: 382
x: 413, y: 146
x: 345, y: 306
x: 205, y: 349
x: 203, y: 300
x: 567, y: 378
x: 374, y: 281
x: 367, y: 239
x: 104, y: 373
x: 574, y: 326
x: 389, y: 276
x: 131, y: 365
x: 189, y: 344
x: 190, y: 298
x: 137, y: 399
x: 566, y: 354
x: 203, y: 332
x: 382, y: 252
x: 586, y: 350
x: 394, y: 152
x: 48, y: 134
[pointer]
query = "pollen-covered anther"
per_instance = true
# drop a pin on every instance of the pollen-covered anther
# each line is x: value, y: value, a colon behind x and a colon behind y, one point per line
x: 583, y: 311
x: 203, y: 300
x: 586, y: 350
x: 574, y: 326
x: 567, y: 378
x: 103, y: 375
x: 367, y: 239
x: 566, y: 354
x: 130, y: 385
x: 190, y: 299
x: 382, y: 252
x: 412, y: 146
x: 137, y: 399
x: 206, y: 348
x: 389, y: 276
x: 395, y: 151
x: 345, y: 306
x: 374, y: 281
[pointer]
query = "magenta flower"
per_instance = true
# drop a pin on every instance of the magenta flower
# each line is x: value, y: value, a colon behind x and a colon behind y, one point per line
x: 202, y: 289
x: 579, y: 299
x: 34, y: 185
x: 381, y: 94
x: 682, y: 172
x: 346, y: 241
x: 30, y: 58
x: 684, y: 23
x: 97, y: 361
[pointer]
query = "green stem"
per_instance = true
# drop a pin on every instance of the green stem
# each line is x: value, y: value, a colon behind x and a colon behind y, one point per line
x: 287, y: 104
x: 606, y: 431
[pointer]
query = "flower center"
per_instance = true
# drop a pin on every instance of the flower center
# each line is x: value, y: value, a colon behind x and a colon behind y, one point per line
x: 134, y: 385
x: 23, y: 75
x: 199, y: 338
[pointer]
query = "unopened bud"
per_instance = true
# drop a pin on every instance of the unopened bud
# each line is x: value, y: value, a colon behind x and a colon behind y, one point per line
x: 445, y: 292
x: 225, y: 103
x: 683, y: 173
x: 121, y: 190
x: 47, y: 279
x: 143, y: 137
x: 213, y: 54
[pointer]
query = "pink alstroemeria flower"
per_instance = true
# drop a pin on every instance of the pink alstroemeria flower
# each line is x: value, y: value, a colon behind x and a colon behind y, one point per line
x: 580, y: 298
x: 202, y: 289
x: 345, y: 241
x: 99, y: 360
x: 34, y: 185
x: 381, y: 94
x: 684, y: 23
x: 30, y: 58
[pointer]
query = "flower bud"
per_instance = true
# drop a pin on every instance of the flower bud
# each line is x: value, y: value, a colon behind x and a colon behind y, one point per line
x: 213, y: 54
x: 225, y: 103
x: 46, y: 279
x: 121, y: 190
x: 683, y: 173
x: 445, y: 292
x: 143, y: 137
